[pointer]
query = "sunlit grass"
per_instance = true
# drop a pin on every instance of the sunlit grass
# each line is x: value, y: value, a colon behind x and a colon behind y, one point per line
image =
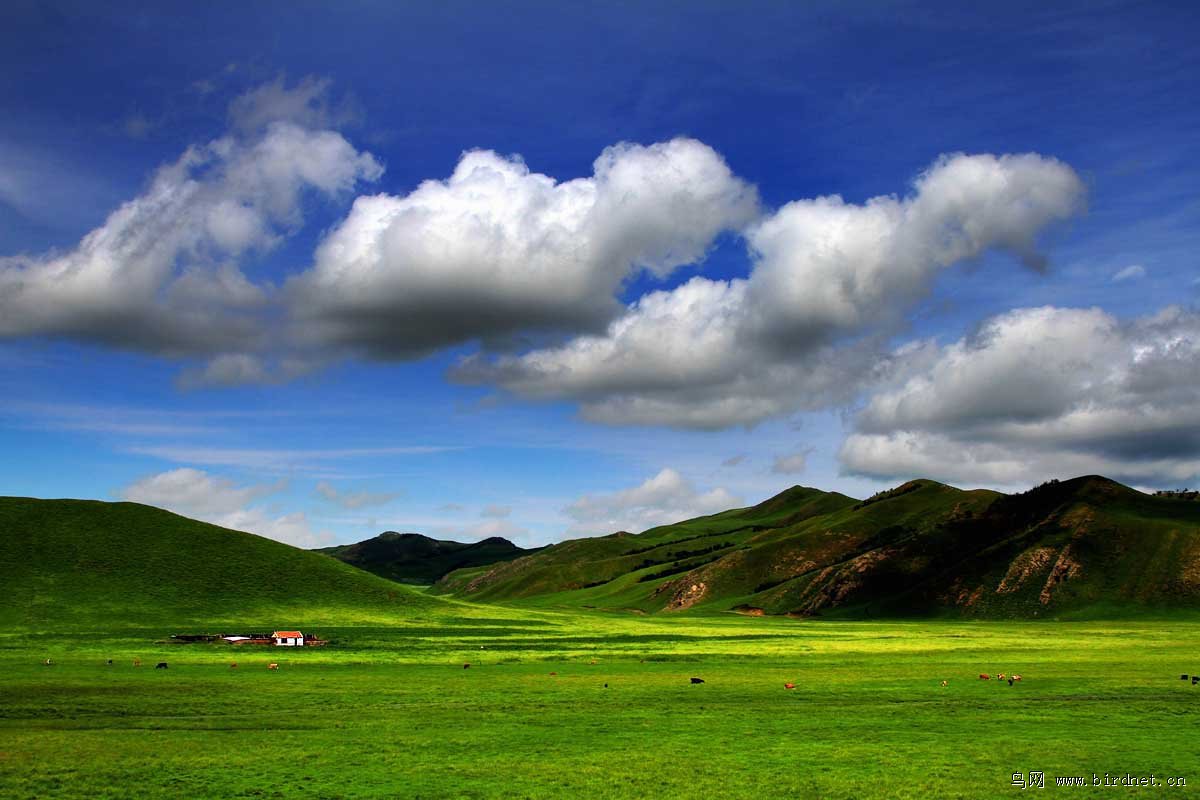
x: 390, y: 710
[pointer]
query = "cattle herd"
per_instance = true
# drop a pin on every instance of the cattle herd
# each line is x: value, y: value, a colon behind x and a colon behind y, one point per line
x: 983, y: 676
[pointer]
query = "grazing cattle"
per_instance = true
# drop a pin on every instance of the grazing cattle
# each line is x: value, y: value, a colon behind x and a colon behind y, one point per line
x: 1010, y: 681
x: 1016, y: 677
x: 1000, y: 677
x: 983, y: 676
x: 1195, y: 679
x: 466, y: 666
x: 161, y: 665
x: 47, y: 662
x: 606, y: 686
x: 110, y: 662
x: 945, y: 683
x: 233, y: 665
x: 592, y: 662
x: 1183, y: 677
x: 137, y: 662
x: 789, y: 686
x: 697, y: 680
x: 553, y: 674
x: 272, y: 666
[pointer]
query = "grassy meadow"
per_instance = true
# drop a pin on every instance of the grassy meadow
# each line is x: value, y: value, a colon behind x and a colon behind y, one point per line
x: 389, y: 711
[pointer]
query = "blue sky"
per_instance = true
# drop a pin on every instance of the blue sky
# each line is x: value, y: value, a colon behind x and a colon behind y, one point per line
x: 685, y: 327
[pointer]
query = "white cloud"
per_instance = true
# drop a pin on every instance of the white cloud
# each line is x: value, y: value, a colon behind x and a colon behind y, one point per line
x: 195, y: 492
x: 354, y: 500
x: 800, y: 332
x: 276, y: 459
x: 161, y: 274
x: 1039, y: 393
x: 1132, y: 272
x: 478, y: 531
x: 200, y: 495
x: 665, y: 498
x: 496, y: 512
x: 307, y: 104
x: 497, y: 251
x: 791, y: 464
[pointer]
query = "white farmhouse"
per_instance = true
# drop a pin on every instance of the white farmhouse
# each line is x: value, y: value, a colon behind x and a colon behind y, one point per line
x: 288, y: 638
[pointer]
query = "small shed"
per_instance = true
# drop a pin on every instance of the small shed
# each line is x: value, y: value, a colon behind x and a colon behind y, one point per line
x: 288, y: 638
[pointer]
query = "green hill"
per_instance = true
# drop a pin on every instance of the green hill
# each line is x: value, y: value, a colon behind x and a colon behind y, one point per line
x: 413, y: 558
x: 75, y: 562
x: 1083, y: 547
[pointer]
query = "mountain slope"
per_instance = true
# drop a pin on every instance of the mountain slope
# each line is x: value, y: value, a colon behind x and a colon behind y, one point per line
x: 1077, y: 548
x: 413, y: 558
x: 586, y: 563
x: 71, y: 562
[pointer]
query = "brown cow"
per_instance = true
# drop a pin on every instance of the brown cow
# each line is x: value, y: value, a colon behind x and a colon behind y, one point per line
x: 945, y: 683
x: 1000, y: 677
x: 272, y: 666
x: 1016, y: 677
x: 233, y: 665
x: 137, y: 662
x: 983, y: 676
x: 789, y: 686
x: 466, y: 666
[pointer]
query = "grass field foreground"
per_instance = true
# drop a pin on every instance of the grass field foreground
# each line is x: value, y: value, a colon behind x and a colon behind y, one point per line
x: 391, y: 712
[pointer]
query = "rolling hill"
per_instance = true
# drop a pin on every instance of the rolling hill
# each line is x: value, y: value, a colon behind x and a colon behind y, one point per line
x: 417, y: 559
x: 76, y: 562
x: 1077, y: 548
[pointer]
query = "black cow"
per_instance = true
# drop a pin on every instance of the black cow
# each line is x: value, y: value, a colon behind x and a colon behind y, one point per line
x: 697, y: 680
x: 1183, y: 677
x: 161, y: 665
x: 1195, y: 679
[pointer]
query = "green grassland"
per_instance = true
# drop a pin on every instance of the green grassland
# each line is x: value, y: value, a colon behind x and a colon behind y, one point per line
x: 386, y: 709
x: 389, y: 711
x: 81, y: 563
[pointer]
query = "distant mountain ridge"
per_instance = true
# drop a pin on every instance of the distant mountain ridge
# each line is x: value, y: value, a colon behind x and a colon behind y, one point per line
x: 418, y: 559
x: 1077, y: 548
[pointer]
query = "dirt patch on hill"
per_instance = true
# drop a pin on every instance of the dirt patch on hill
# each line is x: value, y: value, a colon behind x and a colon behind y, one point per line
x: 1065, y: 568
x: 1029, y: 563
x: 687, y: 595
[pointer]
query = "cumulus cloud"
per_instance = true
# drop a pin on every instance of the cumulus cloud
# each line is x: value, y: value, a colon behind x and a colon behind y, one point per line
x: 1132, y: 272
x: 354, y: 500
x: 200, y: 495
x: 497, y: 251
x: 1039, y: 393
x: 665, y: 498
x: 830, y: 280
x: 162, y: 273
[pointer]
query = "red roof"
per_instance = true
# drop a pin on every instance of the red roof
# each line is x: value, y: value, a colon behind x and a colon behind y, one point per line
x: 288, y: 635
